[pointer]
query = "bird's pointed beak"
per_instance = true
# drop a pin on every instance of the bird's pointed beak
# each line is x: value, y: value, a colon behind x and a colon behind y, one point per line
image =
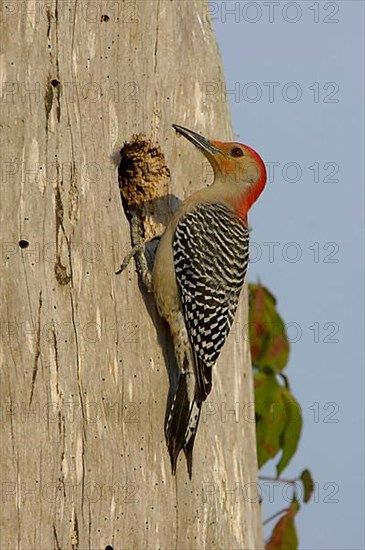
x: 199, y: 141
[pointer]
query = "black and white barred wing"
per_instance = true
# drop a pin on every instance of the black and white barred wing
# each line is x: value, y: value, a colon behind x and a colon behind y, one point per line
x: 210, y: 255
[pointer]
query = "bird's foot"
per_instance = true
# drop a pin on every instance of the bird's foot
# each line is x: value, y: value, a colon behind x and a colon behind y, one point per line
x: 138, y: 252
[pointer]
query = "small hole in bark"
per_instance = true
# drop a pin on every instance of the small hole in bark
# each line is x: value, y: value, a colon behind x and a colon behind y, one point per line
x: 105, y: 17
x: 55, y: 82
x: 108, y: 547
x: 23, y: 244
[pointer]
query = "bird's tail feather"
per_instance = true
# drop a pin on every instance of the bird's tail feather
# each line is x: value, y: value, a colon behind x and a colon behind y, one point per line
x: 182, y: 423
x: 190, y: 435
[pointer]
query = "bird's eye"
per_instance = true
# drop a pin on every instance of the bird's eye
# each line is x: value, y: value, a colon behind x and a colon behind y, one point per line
x: 236, y: 152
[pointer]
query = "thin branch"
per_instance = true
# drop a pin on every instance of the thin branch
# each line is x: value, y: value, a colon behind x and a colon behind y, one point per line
x: 283, y: 511
x: 279, y: 479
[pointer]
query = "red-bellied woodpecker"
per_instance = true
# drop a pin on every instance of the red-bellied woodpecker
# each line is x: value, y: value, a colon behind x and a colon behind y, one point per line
x: 198, y: 275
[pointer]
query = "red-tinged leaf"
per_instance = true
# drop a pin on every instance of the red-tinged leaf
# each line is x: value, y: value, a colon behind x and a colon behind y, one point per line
x: 284, y: 535
x: 291, y: 433
x: 268, y: 341
x: 308, y: 484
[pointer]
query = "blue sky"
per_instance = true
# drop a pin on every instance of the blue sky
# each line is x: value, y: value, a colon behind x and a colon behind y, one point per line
x: 295, y: 73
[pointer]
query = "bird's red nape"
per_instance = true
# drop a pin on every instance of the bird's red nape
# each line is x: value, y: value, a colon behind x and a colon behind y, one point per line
x: 248, y: 167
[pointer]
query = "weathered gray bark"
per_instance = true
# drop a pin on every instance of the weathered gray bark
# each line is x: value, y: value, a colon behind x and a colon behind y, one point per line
x: 84, y: 385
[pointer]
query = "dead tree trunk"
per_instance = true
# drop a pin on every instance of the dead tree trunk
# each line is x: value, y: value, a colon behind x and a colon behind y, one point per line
x: 84, y: 385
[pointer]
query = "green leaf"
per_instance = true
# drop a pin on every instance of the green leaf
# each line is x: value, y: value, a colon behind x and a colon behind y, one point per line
x: 278, y: 420
x: 284, y: 535
x: 308, y: 484
x: 292, y: 429
x: 268, y: 341
x: 270, y: 421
